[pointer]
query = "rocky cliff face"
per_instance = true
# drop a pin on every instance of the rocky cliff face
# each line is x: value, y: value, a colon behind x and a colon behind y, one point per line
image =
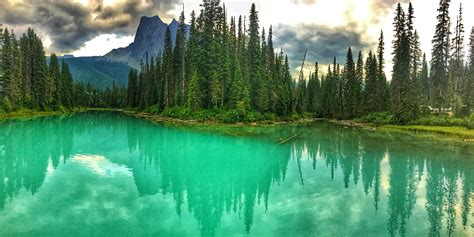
x: 149, y: 38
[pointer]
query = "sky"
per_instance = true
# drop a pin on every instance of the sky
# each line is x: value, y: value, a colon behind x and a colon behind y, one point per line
x: 326, y: 28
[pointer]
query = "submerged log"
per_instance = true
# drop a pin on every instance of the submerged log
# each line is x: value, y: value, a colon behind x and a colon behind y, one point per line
x: 288, y: 139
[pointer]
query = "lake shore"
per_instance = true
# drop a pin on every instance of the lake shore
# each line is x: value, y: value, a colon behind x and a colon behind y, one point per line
x: 446, y: 132
x: 454, y: 132
x: 432, y: 132
x: 31, y: 114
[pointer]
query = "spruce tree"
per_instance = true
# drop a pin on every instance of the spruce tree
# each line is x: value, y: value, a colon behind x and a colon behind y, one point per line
x: 179, y: 62
x: 351, y: 87
x: 168, y: 70
x: 457, y: 64
x: 425, y: 83
x: 55, y: 74
x: 254, y: 52
x: 440, y: 56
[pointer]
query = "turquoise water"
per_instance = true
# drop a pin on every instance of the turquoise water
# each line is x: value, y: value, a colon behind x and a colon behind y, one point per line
x: 107, y: 174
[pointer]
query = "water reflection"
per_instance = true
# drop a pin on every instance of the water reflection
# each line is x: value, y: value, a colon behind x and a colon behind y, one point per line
x: 210, y: 176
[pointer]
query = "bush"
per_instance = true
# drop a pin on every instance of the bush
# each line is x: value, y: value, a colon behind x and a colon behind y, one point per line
x: 62, y: 109
x: 6, y: 105
x: 380, y: 118
x: 155, y: 109
x: 467, y: 122
x: 177, y: 112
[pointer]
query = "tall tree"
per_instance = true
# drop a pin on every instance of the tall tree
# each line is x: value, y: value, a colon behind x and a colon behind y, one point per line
x: 55, y: 74
x: 425, y: 82
x: 179, y: 62
x: 168, y: 70
x: 457, y: 63
x: 440, y: 56
x: 351, y: 87
x: 253, y: 51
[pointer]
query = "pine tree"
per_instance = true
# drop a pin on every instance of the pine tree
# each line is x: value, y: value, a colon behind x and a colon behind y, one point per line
x: 7, y: 65
x: 371, y: 85
x: 67, y: 86
x: 360, y: 106
x: 457, y: 63
x: 469, y: 82
x: 254, y: 52
x: 55, y: 74
x: 194, y: 92
x: 383, y: 91
x: 351, y: 87
x: 425, y: 83
x: 179, y: 62
x: 168, y: 70
x: 440, y: 56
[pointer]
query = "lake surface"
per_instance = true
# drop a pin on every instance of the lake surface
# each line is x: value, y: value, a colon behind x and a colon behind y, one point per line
x: 107, y: 174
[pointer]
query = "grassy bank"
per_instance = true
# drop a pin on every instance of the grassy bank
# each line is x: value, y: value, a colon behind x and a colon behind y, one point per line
x: 461, y: 133
x: 29, y: 114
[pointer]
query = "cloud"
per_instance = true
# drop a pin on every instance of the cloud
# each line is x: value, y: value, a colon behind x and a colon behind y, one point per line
x: 384, y: 7
x: 323, y: 42
x: 306, y: 2
x: 70, y: 24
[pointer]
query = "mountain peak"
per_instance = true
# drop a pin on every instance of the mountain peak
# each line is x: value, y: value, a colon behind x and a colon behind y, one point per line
x: 149, y: 38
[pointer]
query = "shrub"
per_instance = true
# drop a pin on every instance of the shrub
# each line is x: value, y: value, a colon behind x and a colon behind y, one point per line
x: 6, y: 105
x: 62, y: 109
x: 380, y: 118
x: 155, y: 109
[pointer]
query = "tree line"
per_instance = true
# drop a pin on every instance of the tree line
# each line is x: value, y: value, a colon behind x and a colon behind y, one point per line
x: 28, y: 81
x: 223, y: 66
x: 235, y: 67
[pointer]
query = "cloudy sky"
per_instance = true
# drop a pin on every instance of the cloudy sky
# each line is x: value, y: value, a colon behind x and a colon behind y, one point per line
x: 325, y: 27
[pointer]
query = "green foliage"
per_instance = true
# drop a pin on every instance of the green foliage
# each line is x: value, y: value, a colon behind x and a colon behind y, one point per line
x: 6, y: 105
x: 379, y: 118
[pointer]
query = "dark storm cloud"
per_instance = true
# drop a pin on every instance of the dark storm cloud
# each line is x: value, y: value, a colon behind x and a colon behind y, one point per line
x: 323, y: 42
x: 70, y: 24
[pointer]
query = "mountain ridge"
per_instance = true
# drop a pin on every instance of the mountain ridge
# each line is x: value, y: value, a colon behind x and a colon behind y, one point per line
x: 102, y: 71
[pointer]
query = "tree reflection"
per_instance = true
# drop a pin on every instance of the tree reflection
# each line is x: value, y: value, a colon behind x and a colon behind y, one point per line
x: 210, y: 175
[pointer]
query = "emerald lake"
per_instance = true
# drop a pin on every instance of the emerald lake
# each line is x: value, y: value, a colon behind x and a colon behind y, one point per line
x: 109, y: 174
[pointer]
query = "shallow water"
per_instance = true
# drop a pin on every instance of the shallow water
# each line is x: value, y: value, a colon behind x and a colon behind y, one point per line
x: 107, y: 174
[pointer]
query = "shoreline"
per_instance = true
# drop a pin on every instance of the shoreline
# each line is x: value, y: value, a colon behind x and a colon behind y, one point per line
x: 451, y: 132
x: 436, y: 132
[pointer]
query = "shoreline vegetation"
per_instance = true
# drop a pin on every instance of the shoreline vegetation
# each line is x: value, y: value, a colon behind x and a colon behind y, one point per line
x: 457, y: 133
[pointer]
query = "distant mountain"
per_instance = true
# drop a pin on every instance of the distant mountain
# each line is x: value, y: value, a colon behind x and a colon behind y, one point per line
x: 98, y: 71
x: 149, y: 38
x: 114, y: 66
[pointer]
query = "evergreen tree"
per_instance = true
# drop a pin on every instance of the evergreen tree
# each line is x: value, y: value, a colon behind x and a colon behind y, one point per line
x: 351, y: 87
x: 425, y: 83
x: 194, y: 92
x: 469, y: 82
x: 55, y: 74
x: 360, y: 105
x: 371, y: 85
x: 179, y: 62
x: 168, y: 70
x: 254, y: 52
x: 67, y: 86
x: 457, y: 63
x: 440, y: 56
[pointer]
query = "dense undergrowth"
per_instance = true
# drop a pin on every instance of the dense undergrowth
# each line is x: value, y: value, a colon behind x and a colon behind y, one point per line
x: 425, y: 120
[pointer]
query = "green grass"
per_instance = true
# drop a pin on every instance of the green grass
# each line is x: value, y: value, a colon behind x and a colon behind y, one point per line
x: 453, y: 131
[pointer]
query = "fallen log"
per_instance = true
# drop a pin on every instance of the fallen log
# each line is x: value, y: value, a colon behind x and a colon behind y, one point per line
x: 288, y: 139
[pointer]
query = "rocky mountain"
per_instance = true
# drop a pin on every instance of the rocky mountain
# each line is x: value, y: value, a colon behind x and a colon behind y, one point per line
x: 149, y: 38
x: 101, y: 71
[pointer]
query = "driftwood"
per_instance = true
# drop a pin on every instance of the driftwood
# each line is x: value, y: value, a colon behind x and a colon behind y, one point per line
x: 288, y: 139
